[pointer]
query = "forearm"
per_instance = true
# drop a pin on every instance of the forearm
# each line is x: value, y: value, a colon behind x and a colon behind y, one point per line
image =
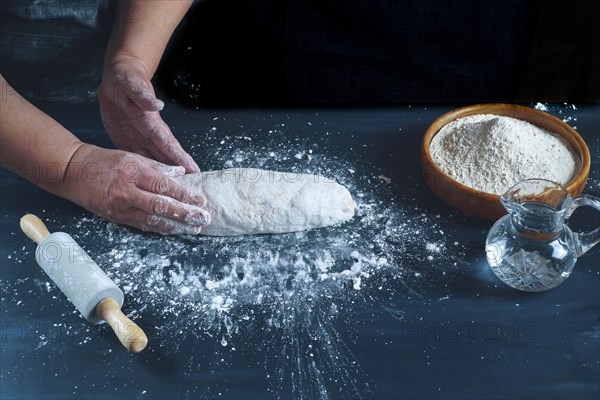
x: 32, y: 144
x: 142, y: 30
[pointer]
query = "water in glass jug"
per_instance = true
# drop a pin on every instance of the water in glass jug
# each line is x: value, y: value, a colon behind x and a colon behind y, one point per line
x: 532, y: 248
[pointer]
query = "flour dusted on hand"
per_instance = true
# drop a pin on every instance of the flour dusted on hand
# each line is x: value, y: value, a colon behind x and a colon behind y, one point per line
x: 245, y: 201
x: 491, y: 153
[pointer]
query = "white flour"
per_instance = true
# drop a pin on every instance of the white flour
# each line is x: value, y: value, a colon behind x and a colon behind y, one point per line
x: 491, y: 153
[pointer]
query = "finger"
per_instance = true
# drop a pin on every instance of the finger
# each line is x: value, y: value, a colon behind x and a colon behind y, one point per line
x: 165, y: 146
x: 150, y: 223
x: 167, y: 207
x: 171, y: 170
x: 150, y: 151
x: 139, y: 91
x: 172, y: 226
x: 117, y: 92
x: 142, y: 152
x: 160, y: 156
x: 146, y: 100
x: 151, y: 180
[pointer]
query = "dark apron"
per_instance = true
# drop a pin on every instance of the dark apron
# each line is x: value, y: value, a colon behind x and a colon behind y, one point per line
x: 53, y: 50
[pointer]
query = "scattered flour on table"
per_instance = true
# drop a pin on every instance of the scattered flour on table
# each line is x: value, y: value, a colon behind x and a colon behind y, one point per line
x: 559, y: 111
x: 278, y: 295
x: 434, y: 247
x: 282, y: 297
x: 266, y: 298
x: 291, y: 299
x: 491, y: 153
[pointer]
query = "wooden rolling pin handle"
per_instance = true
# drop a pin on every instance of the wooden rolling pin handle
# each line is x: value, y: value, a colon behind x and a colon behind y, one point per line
x: 130, y: 335
x: 34, y: 228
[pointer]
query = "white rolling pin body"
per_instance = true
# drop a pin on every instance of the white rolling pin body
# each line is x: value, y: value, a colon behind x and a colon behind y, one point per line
x: 76, y: 274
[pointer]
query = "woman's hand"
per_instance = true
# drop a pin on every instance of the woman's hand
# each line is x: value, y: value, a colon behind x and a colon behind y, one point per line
x: 129, y: 189
x: 130, y: 109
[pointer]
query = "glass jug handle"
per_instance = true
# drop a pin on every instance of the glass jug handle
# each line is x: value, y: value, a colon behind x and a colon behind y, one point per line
x: 584, y: 241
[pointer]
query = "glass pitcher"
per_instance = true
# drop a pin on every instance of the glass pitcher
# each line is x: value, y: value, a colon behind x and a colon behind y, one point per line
x: 532, y: 248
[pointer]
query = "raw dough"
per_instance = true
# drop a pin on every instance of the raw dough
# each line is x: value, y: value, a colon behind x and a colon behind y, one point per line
x: 246, y: 201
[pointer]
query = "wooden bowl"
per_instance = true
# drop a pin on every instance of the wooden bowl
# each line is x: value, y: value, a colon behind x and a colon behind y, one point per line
x: 486, y: 205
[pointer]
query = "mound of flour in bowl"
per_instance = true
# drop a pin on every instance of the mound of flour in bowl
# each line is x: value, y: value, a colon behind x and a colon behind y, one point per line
x: 491, y: 153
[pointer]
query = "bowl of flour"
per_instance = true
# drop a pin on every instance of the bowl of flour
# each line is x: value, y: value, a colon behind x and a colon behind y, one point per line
x: 473, y: 155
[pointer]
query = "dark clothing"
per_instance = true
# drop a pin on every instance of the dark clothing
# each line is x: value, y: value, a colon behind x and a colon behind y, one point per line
x: 53, y: 50
x: 295, y: 52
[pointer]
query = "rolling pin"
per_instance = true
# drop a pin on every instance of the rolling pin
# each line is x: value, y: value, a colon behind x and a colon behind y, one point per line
x: 92, y: 292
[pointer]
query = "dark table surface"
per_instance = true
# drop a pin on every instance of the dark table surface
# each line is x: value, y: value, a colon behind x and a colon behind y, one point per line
x: 397, y: 303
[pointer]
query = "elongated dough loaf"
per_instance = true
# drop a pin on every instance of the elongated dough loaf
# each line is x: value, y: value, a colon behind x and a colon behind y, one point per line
x: 246, y: 201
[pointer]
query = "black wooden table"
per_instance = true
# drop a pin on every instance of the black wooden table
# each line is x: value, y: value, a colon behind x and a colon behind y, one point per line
x: 397, y: 303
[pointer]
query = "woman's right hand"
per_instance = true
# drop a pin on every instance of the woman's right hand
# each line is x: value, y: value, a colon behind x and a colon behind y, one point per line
x: 130, y: 189
x: 130, y: 113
